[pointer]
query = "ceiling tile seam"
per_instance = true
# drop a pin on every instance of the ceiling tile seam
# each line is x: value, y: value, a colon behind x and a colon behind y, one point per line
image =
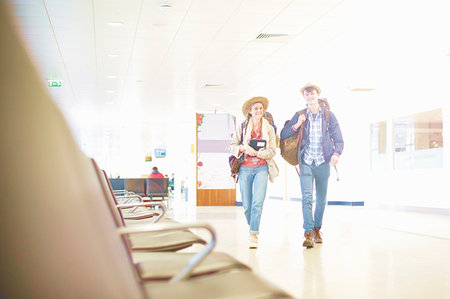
x: 206, y: 47
x: 319, y: 18
x: 278, y: 14
x: 59, y: 51
x: 131, y: 52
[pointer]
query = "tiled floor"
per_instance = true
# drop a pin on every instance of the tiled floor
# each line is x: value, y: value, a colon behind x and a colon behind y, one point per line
x: 367, y: 253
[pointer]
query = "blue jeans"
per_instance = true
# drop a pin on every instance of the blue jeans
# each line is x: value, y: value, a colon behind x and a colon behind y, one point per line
x: 308, y: 175
x: 253, y: 185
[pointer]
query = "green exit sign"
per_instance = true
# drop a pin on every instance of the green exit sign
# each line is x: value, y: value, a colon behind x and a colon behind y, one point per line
x: 54, y: 83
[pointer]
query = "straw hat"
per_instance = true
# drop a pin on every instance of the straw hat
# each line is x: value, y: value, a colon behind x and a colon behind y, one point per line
x: 264, y: 101
x: 310, y: 85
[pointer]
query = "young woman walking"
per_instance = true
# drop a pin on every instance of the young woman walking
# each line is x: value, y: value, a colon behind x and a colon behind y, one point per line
x: 254, y: 170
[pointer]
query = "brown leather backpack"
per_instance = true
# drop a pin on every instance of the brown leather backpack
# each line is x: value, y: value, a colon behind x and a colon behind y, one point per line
x: 289, y: 146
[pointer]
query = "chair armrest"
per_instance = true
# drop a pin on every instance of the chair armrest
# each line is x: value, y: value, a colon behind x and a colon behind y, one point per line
x: 196, y: 258
x: 128, y: 198
x: 146, y: 204
x: 125, y: 192
x: 122, y: 191
x: 131, y: 196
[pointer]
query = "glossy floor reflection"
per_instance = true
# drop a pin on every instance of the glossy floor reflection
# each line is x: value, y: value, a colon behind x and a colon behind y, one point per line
x: 367, y: 253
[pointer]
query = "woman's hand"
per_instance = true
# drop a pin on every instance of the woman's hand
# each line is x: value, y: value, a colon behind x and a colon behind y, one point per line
x: 250, y: 151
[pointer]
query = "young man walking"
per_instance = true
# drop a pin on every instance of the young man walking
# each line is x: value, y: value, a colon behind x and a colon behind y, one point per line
x: 320, y: 148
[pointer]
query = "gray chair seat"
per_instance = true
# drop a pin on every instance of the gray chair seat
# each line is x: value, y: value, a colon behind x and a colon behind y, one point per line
x: 165, y: 241
x: 235, y: 284
x: 165, y: 265
x: 131, y: 222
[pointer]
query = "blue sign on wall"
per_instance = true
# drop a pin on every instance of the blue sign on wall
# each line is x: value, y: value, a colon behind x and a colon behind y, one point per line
x: 160, y: 152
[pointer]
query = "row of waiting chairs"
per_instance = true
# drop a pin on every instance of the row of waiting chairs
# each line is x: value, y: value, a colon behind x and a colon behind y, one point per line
x: 149, y: 187
x: 62, y: 233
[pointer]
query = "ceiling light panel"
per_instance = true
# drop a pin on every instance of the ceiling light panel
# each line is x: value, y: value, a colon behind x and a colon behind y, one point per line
x: 115, y: 24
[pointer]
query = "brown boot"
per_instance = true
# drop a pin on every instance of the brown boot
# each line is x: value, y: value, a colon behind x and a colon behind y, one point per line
x: 309, y: 243
x: 317, y: 235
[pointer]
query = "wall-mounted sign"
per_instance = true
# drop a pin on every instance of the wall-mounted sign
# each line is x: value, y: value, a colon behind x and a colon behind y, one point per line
x: 160, y: 152
x: 54, y: 83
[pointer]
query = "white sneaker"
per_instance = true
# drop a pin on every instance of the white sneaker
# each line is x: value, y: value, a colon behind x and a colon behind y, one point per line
x: 253, y: 241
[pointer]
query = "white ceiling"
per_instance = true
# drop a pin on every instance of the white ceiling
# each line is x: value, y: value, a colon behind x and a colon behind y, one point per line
x: 165, y: 59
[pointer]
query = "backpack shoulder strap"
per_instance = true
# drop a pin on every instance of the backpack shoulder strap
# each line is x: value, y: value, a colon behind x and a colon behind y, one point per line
x: 323, y: 102
x: 242, y: 129
x: 300, y: 112
x: 327, y: 117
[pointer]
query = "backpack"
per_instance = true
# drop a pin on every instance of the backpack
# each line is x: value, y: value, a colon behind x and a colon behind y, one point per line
x: 289, y: 146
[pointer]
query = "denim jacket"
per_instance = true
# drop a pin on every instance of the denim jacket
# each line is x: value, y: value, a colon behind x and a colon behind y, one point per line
x: 332, y: 141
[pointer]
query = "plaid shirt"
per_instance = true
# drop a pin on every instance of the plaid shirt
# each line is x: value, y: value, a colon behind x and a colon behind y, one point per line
x: 313, y: 151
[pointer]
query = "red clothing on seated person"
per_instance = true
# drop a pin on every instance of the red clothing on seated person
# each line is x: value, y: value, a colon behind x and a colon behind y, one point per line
x: 157, y: 175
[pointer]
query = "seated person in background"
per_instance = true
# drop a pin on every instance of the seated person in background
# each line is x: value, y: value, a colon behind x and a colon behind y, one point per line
x: 155, y: 173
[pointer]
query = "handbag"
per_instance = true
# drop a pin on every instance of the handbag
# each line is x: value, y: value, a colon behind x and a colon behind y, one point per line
x: 235, y: 164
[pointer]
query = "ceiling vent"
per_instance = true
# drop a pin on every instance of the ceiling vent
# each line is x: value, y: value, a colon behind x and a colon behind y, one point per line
x: 270, y: 35
x: 207, y: 85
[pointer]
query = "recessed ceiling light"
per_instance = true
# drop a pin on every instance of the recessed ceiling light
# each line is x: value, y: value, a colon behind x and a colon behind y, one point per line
x: 110, y: 91
x: 362, y: 89
x: 115, y: 24
x: 111, y: 76
x: 113, y: 55
x: 165, y: 6
x: 231, y: 93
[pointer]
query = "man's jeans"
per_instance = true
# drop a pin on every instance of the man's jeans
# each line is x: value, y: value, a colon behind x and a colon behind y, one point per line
x: 253, y: 185
x: 309, y: 175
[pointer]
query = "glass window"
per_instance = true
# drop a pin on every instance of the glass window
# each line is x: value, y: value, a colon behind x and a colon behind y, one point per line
x: 418, y: 140
x: 378, y: 158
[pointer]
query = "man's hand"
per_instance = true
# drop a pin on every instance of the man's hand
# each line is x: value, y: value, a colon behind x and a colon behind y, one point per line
x: 300, y: 121
x: 334, y: 160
